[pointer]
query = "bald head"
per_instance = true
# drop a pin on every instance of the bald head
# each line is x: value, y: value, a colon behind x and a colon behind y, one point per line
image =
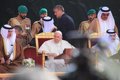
x: 57, y: 36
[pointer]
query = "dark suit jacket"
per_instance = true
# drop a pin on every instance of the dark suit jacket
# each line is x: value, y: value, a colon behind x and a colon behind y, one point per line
x: 66, y: 24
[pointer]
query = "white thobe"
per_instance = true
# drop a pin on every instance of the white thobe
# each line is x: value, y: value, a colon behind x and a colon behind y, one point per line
x: 114, y: 46
x: 9, y: 48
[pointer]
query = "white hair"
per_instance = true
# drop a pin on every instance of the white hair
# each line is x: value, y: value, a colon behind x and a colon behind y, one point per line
x: 58, y: 32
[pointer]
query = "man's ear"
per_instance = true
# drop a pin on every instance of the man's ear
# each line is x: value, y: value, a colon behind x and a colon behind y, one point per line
x: 18, y: 13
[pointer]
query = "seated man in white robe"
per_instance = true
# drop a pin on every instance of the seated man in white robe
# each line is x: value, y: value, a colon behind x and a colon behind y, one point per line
x: 111, y: 44
x: 108, y: 47
x: 11, y: 54
x: 114, y: 42
x: 54, y: 48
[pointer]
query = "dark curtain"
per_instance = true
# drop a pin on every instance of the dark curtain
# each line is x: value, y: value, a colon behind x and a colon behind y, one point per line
x: 75, y: 8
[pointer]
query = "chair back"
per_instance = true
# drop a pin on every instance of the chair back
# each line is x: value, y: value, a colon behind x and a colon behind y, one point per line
x: 40, y: 39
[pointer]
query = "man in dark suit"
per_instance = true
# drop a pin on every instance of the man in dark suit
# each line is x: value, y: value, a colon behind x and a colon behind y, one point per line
x: 65, y: 22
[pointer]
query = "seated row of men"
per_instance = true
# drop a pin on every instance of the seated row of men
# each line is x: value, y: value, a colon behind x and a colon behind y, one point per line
x: 18, y: 34
x: 12, y: 41
x: 11, y: 51
x: 106, y: 46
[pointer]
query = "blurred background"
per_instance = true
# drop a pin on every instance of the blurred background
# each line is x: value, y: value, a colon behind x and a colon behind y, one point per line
x: 75, y: 8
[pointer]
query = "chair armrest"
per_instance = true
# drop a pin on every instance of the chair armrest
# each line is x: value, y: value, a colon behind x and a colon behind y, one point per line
x: 42, y: 58
x: 7, y: 75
